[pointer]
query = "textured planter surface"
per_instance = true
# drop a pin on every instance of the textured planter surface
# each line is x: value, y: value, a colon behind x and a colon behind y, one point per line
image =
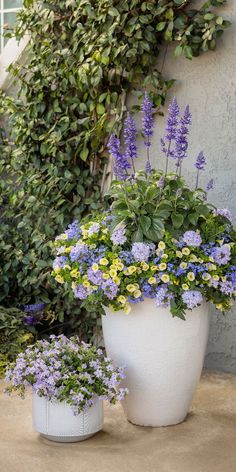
x: 163, y: 358
x: 56, y: 421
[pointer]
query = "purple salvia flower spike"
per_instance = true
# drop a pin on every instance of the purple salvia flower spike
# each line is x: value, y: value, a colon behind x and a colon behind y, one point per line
x: 130, y: 134
x: 121, y: 163
x: 210, y: 185
x: 181, y: 138
x: 171, y: 130
x: 147, y: 126
x: 200, y: 165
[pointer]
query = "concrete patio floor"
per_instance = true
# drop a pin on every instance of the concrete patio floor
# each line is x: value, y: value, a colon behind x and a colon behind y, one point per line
x: 205, y: 442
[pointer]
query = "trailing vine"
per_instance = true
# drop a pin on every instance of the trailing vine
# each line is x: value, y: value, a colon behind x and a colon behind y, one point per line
x: 84, y: 56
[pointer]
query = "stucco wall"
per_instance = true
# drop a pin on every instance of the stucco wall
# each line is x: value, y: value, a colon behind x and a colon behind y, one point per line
x: 208, y: 85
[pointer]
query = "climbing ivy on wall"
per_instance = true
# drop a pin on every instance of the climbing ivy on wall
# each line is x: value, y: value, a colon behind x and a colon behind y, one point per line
x: 84, y: 56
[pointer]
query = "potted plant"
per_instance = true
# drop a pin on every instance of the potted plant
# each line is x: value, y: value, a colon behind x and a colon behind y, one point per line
x: 69, y: 380
x: 159, y: 255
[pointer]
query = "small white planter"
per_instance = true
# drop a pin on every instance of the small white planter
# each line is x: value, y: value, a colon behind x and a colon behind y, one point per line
x: 163, y: 358
x: 56, y: 422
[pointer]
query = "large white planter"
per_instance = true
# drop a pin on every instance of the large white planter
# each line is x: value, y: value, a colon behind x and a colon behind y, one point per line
x: 163, y: 358
x: 55, y: 420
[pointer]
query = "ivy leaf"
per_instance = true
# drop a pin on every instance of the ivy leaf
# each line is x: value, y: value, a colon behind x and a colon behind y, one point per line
x: 160, y: 26
x: 84, y: 154
x: 113, y: 11
x: 100, y: 109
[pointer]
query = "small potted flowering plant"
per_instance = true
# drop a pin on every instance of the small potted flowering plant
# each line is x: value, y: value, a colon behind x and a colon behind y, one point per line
x: 160, y: 254
x: 69, y: 380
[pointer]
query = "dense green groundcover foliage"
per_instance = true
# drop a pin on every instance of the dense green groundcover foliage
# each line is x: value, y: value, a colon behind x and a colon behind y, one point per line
x: 83, y: 58
x: 14, y: 336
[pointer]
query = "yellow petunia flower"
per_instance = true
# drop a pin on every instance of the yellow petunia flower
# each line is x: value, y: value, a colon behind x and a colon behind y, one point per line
x: 185, y: 287
x: 185, y: 251
x: 193, y: 258
x: 152, y: 280
x: 190, y: 276
x: 131, y: 288
x: 59, y: 279
x: 212, y: 267
x: 216, y: 277
x: 103, y: 261
x: 116, y: 280
x: 154, y: 267
x: 179, y: 254
x: 145, y: 266
x: 219, y: 306
x: 67, y: 250
x: 95, y: 267
x: 127, y: 308
x: 120, y: 266
x: 183, y: 265
x: 206, y: 276
x: 75, y: 273
x: 130, y: 270
x: 164, y: 256
x: 165, y: 278
x: 161, y: 245
x: 105, y: 276
x: 86, y: 284
x: 122, y: 299
x: 113, y: 273
x: 137, y: 294
x: 162, y: 266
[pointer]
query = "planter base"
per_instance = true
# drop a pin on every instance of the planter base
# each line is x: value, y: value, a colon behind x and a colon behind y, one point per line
x: 66, y: 439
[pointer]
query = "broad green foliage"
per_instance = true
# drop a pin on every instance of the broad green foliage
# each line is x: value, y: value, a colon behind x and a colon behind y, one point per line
x: 148, y: 210
x: 83, y: 58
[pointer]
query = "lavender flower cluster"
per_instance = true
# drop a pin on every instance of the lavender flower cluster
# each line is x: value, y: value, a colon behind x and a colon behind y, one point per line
x: 64, y: 369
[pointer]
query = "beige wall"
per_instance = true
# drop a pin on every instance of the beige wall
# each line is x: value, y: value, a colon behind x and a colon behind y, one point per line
x: 208, y: 85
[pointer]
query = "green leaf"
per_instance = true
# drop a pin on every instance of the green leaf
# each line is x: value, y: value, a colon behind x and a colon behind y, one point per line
x: 137, y: 236
x: 84, y: 154
x: 100, y: 109
x: 209, y: 16
x: 156, y: 231
x: 152, y: 192
x: 113, y: 11
x: 145, y: 222
x: 160, y: 26
x: 177, y: 220
x: 178, y: 50
x: 193, y: 218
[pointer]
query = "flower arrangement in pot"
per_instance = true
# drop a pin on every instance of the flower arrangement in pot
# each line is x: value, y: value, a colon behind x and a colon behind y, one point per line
x: 159, y: 255
x: 69, y: 380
